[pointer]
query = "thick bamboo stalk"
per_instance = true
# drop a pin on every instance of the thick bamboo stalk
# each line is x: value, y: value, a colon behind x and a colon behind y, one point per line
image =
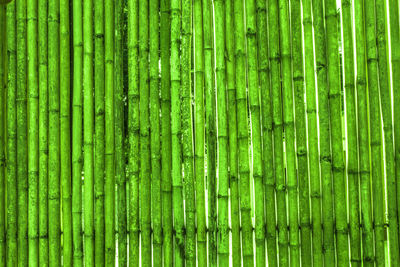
x: 288, y: 124
x: 88, y: 131
x: 352, y: 155
x: 232, y: 128
x: 254, y: 102
x: 155, y: 132
x: 65, y: 131
x: 362, y: 110
x: 209, y: 88
x: 54, y: 133
x: 222, y: 135
x: 266, y: 108
x: 301, y: 133
x: 375, y: 145
x: 242, y: 120
x: 120, y: 159
x: 339, y: 183
x: 145, y: 168
x: 166, y: 156
x: 199, y: 133
x: 109, y: 181
x: 22, y: 157
x: 133, y: 131
x: 277, y: 122
x: 176, y: 134
x: 3, y: 115
x: 324, y: 133
x: 386, y: 103
x: 99, y: 122
x: 77, y: 157
x: 187, y: 133
x: 12, y: 204
x: 311, y: 109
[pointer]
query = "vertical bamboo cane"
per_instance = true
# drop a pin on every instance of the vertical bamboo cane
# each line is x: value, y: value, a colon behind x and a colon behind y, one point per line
x: 77, y: 158
x: 12, y: 212
x: 232, y: 128
x: 133, y: 131
x: 22, y: 159
x: 119, y: 104
x: 65, y: 131
x: 99, y: 132
x: 278, y: 131
x: 88, y: 121
x: 54, y: 133
x: 3, y: 70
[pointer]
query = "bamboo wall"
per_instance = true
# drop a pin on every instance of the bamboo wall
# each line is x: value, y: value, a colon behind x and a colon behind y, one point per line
x: 208, y: 132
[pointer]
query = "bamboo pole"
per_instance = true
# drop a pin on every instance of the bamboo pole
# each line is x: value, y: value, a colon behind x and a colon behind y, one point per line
x: 3, y: 115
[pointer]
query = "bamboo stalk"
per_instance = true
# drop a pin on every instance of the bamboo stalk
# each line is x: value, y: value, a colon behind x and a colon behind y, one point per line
x: 352, y: 160
x: 386, y: 103
x: 99, y: 129
x: 12, y: 203
x: 77, y: 136
x: 301, y: 133
x: 54, y: 134
x: 288, y: 120
x: 166, y: 149
x: 222, y: 135
x: 155, y: 132
x: 277, y: 121
x: 233, y: 132
x: 3, y: 115
x: 254, y: 102
x: 22, y: 159
x: 176, y: 134
x: 242, y: 120
x: 311, y: 110
x: 375, y: 124
x: 187, y: 127
x: 362, y: 110
x: 145, y: 187
x: 120, y: 175
x: 324, y: 133
x: 199, y: 133
x: 88, y: 121
x: 133, y: 131
x: 109, y: 181
x: 65, y: 131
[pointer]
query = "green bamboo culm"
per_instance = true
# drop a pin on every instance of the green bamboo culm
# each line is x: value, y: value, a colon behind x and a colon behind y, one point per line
x: 242, y: 134
x: 3, y: 67
x: 352, y: 155
x: 99, y: 129
x: 144, y: 122
x: 199, y: 132
x: 12, y: 202
x: 77, y: 155
x: 222, y: 137
x: 386, y: 104
x: 339, y: 183
x: 375, y: 142
x: 65, y: 131
x: 176, y: 134
x: 324, y: 132
x: 277, y: 122
x: 232, y: 131
x: 301, y: 133
x: 166, y: 157
x: 362, y: 109
x: 88, y: 131
x: 22, y: 159
x: 120, y: 162
x: 133, y: 131
x: 311, y: 109
x: 155, y: 132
